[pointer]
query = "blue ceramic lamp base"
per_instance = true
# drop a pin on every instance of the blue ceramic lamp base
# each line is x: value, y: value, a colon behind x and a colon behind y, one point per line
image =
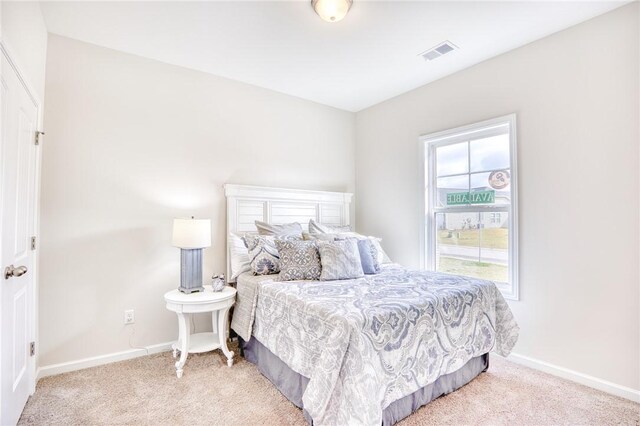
x: 190, y: 270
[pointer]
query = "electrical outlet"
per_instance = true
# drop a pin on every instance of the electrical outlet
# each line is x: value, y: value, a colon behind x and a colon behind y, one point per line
x: 129, y: 317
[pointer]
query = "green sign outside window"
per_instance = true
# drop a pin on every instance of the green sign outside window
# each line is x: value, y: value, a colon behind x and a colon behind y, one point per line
x: 476, y: 197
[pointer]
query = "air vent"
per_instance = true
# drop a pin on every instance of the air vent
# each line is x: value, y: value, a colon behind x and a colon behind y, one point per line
x: 441, y: 49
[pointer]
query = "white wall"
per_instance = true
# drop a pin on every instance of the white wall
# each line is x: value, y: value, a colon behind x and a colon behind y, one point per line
x: 577, y: 103
x: 132, y: 143
x: 24, y: 31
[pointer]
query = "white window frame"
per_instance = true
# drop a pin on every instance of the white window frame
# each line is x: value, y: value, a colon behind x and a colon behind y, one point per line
x: 428, y: 144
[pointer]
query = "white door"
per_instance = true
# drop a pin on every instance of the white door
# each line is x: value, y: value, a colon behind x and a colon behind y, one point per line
x: 18, y: 174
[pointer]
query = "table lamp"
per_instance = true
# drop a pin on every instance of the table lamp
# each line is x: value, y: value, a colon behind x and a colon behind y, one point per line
x: 191, y: 236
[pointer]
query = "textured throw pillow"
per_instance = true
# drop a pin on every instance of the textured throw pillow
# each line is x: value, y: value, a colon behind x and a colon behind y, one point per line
x: 368, y: 256
x: 319, y: 228
x: 286, y: 229
x: 238, y: 256
x: 299, y: 260
x: 340, y: 260
x: 263, y: 254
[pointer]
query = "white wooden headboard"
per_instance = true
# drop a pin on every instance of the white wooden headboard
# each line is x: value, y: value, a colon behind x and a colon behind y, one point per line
x: 246, y: 204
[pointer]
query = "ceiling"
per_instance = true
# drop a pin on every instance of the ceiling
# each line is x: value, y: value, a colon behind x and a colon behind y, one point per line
x: 370, y: 56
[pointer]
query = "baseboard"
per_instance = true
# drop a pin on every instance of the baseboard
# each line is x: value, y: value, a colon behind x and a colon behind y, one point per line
x: 80, y: 364
x: 565, y: 373
x: 574, y: 376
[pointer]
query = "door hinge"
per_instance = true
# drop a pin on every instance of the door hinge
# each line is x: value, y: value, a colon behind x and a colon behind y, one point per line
x: 33, y: 243
x: 37, y: 139
x: 32, y: 348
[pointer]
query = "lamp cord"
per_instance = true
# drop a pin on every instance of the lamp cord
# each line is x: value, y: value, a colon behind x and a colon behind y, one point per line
x: 133, y: 333
x: 131, y: 345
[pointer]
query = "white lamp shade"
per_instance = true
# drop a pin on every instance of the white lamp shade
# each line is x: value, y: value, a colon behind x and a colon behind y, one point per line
x: 191, y: 233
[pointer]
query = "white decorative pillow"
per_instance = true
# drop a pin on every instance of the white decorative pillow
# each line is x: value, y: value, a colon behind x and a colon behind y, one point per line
x: 299, y: 260
x: 319, y: 228
x: 238, y: 256
x: 263, y: 254
x: 382, y: 256
x: 324, y: 237
x: 340, y: 260
x: 293, y: 229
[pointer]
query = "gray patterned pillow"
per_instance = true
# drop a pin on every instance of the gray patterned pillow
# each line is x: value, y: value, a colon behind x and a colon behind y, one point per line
x: 263, y: 254
x: 299, y: 260
x: 340, y: 260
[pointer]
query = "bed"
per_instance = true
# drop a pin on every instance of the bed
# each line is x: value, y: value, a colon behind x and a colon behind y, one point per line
x: 369, y: 350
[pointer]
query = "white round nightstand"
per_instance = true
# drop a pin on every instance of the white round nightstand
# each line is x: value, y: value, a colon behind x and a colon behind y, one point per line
x: 218, y: 303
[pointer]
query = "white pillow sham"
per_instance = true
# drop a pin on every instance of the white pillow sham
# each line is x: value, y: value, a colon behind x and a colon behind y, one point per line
x: 319, y: 228
x: 239, y: 256
x: 382, y: 255
x: 293, y: 229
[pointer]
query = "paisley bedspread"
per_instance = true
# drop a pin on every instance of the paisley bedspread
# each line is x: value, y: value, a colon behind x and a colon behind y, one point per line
x: 367, y: 342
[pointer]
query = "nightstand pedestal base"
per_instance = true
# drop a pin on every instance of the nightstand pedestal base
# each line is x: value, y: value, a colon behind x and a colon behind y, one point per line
x: 184, y: 305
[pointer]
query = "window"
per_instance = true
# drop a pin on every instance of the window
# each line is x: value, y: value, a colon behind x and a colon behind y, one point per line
x: 470, y: 195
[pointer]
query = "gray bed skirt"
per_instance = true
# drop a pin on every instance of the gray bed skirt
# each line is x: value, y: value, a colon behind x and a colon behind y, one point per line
x: 292, y: 385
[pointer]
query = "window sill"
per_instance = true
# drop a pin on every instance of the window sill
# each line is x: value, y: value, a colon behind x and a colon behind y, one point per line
x: 508, y: 291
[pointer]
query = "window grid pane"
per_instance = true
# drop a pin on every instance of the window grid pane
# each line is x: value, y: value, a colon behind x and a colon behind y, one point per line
x: 452, y: 159
x: 491, y: 153
x: 474, y: 244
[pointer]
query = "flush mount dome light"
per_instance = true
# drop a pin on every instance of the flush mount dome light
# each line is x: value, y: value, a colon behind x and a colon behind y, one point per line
x: 331, y: 10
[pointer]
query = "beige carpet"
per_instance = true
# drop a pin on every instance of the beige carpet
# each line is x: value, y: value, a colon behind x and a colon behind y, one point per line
x: 146, y: 391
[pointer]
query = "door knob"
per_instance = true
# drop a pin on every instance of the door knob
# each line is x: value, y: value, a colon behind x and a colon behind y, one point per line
x: 12, y: 271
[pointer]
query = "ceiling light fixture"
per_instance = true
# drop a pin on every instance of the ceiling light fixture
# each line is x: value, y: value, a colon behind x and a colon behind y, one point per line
x: 331, y: 10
